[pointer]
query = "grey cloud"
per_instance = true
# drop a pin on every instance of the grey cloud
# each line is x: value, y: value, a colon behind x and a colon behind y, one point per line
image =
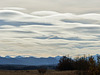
x: 92, y: 30
x: 75, y: 38
x: 83, y: 21
x: 70, y: 38
x: 41, y: 37
x: 86, y: 29
x: 23, y: 31
x: 84, y: 46
x: 15, y: 23
x: 56, y: 37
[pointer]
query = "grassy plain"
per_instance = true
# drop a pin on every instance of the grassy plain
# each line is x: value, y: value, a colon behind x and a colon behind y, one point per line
x: 35, y: 72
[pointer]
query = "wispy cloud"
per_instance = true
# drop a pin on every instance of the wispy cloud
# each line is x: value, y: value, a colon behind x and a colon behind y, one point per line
x: 76, y: 6
x: 13, y: 8
x: 48, y: 33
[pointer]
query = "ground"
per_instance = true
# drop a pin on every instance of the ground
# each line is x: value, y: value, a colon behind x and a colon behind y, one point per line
x: 35, y: 72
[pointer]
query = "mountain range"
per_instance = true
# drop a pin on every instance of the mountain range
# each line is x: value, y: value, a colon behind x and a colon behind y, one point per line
x: 21, y: 60
x: 31, y: 61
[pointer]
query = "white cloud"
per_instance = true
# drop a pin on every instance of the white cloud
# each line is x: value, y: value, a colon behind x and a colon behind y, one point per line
x: 48, y: 33
x: 13, y: 8
x: 76, y: 6
x: 13, y: 15
x: 44, y: 13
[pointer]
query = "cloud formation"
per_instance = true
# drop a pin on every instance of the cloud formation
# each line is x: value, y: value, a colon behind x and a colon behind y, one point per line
x: 13, y: 8
x: 48, y: 33
x: 76, y: 6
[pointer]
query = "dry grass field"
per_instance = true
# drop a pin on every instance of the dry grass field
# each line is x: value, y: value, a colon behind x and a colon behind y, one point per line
x: 35, y: 72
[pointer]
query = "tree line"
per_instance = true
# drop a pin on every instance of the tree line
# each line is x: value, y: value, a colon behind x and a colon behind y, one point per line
x: 86, y: 64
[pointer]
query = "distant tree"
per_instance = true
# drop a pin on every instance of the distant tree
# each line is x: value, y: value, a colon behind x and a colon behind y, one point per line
x: 65, y: 63
x: 81, y: 64
x: 84, y: 65
x: 98, y: 64
x: 42, y: 71
x: 93, y: 70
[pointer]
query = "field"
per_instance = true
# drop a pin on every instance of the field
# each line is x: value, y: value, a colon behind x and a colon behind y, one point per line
x: 35, y: 72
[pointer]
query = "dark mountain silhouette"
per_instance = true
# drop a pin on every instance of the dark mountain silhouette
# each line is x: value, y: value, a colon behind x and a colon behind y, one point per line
x: 20, y: 60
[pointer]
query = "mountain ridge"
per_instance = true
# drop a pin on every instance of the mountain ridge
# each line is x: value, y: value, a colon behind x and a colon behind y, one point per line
x: 31, y: 60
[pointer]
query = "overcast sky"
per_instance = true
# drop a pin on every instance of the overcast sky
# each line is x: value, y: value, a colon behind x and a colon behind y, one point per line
x: 45, y: 28
x: 72, y: 6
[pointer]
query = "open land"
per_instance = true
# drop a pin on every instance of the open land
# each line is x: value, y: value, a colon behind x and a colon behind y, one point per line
x: 35, y: 72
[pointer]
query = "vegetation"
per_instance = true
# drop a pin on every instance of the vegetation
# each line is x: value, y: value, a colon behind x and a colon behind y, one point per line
x: 35, y: 72
x: 42, y: 71
x: 24, y: 67
x: 66, y: 66
x: 65, y: 63
x: 86, y: 65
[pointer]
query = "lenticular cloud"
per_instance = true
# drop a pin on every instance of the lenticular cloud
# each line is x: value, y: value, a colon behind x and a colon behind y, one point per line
x: 46, y: 33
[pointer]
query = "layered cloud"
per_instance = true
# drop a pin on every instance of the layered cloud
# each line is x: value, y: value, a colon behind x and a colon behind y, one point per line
x: 73, y: 6
x: 13, y: 8
x: 49, y: 33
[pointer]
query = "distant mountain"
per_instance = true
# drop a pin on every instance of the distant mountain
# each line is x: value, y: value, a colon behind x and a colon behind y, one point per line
x: 95, y: 56
x: 7, y: 57
x: 32, y: 61
x: 19, y: 57
x: 20, y: 60
x: 58, y: 57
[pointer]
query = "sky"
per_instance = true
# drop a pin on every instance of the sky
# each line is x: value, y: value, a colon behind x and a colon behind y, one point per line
x: 44, y: 28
